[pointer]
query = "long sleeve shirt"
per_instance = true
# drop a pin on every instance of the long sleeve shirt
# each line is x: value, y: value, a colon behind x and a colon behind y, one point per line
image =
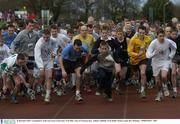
x: 110, y: 41
x: 177, y: 41
x: 120, y: 52
x: 105, y: 61
x: 135, y: 46
x: 43, y: 51
x: 161, y: 52
x: 25, y: 42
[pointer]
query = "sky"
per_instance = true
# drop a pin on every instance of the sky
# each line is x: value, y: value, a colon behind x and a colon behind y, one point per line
x: 174, y: 1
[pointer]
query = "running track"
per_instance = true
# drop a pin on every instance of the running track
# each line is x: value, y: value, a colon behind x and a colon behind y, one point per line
x: 127, y: 106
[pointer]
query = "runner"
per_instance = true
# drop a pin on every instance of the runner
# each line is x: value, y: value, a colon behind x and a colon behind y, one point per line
x: 105, y: 69
x: 162, y: 51
x: 175, y: 62
x: 4, y: 53
x: 136, y: 50
x: 121, y: 58
x: 25, y: 43
x: 71, y: 61
x: 10, y: 35
x: 44, y: 53
x: 11, y: 70
x: 87, y: 41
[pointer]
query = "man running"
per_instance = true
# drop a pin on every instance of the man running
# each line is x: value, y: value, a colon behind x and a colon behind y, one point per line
x: 162, y: 51
x: 137, y: 52
x: 44, y: 53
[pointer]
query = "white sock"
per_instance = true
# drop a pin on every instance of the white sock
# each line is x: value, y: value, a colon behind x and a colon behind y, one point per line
x: 142, y: 88
x: 164, y: 85
x: 28, y: 90
x: 48, y: 92
x: 77, y: 92
x: 73, y: 79
x: 175, y: 89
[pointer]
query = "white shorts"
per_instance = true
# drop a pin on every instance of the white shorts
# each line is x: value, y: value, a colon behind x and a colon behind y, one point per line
x: 36, y: 72
x: 48, y: 65
x: 158, y: 67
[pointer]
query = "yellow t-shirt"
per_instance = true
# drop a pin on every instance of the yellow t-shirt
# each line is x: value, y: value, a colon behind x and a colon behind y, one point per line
x: 135, y: 46
x: 89, y: 40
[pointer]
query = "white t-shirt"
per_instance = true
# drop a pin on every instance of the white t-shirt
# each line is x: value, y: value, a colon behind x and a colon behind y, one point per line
x: 61, y: 40
x: 4, y: 52
x: 62, y: 31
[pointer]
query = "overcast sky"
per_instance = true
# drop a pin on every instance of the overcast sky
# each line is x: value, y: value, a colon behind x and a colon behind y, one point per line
x: 174, y: 1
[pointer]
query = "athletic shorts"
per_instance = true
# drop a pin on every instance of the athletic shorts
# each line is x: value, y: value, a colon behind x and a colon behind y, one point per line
x: 157, y: 68
x: 118, y: 67
x: 135, y: 68
x: 176, y: 59
x: 123, y: 63
x: 48, y: 65
x: 70, y: 66
x: 30, y: 63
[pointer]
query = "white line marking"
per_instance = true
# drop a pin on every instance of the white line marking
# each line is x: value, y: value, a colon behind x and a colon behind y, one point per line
x: 125, y: 104
x: 60, y: 110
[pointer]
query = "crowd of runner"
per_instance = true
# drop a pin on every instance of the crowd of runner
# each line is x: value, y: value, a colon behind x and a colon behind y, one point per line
x: 100, y: 55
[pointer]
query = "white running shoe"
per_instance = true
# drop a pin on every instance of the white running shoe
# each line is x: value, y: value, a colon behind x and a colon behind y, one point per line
x: 143, y: 94
x: 175, y: 94
x: 159, y: 97
x: 78, y: 97
x: 97, y: 93
x: 31, y: 94
x: 110, y: 99
x: 59, y: 92
x: 47, y: 99
x: 166, y: 91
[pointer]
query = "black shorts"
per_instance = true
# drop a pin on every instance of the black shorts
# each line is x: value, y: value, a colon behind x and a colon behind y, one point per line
x: 30, y: 63
x: 70, y: 66
x: 176, y: 59
x: 123, y: 63
x: 135, y: 68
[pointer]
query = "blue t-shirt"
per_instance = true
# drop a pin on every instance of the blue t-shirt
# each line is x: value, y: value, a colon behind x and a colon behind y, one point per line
x: 68, y: 53
x: 8, y: 39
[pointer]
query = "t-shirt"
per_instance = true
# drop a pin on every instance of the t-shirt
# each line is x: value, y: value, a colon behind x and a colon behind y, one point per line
x: 4, y: 52
x: 61, y: 40
x: 8, y: 39
x: 89, y: 40
x: 70, y: 54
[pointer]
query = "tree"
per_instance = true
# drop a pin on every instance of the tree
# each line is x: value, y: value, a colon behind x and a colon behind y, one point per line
x: 87, y: 5
x: 157, y: 6
x: 119, y: 8
x: 125, y: 8
x: 37, y: 5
